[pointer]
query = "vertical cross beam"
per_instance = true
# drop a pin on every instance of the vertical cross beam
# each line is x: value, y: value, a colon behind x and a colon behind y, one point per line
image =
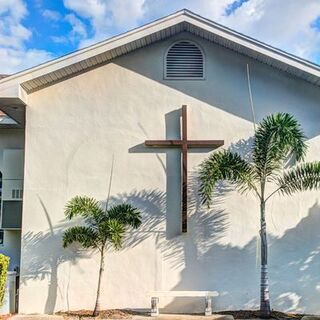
x: 184, y: 170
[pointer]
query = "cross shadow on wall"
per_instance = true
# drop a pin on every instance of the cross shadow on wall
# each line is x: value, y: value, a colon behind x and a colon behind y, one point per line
x: 202, y: 261
x: 233, y: 271
x: 172, y: 169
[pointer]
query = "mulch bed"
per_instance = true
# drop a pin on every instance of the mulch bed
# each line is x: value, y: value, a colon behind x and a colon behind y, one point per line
x: 127, y: 314
x: 104, y: 314
x: 251, y: 314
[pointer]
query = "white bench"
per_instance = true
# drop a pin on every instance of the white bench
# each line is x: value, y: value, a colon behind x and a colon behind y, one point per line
x: 208, y: 295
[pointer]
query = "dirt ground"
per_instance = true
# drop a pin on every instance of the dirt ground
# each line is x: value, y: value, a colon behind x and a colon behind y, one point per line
x: 127, y: 314
x: 251, y: 314
x: 104, y: 314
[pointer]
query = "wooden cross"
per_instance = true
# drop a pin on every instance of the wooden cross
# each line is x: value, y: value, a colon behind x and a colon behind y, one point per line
x: 184, y: 144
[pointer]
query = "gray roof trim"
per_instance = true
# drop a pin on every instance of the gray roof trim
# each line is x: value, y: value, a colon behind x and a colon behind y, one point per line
x: 103, y: 52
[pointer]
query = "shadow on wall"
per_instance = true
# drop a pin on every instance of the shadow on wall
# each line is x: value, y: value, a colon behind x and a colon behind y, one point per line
x: 225, y: 73
x: 233, y: 271
x: 44, y: 262
x: 205, y: 264
x: 199, y: 258
x: 181, y: 251
x: 294, y: 266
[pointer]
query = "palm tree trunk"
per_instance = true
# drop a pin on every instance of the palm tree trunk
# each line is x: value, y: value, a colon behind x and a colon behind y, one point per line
x: 264, y: 285
x: 97, y: 305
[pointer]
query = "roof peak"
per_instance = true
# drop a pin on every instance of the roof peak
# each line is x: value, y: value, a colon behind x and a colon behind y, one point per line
x: 182, y: 20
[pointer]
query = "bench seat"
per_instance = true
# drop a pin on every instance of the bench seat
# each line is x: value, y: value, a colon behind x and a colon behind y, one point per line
x: 208, y: 295
x: 184, y: 294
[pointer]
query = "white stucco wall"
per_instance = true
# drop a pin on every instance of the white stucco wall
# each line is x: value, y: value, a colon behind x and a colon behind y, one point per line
x: 11, y: 247
x: 77, y: 127
x: 11, y: 139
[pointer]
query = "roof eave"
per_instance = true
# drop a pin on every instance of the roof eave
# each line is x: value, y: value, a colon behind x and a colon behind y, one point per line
x: 44, y: 74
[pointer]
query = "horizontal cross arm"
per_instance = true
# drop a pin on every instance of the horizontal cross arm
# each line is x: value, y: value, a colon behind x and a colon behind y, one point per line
x: 205, y: 143
x: 163, y: 143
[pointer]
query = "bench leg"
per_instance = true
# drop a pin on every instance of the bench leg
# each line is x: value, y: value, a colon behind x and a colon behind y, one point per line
x: 154, y: 307
x: 208, y: 310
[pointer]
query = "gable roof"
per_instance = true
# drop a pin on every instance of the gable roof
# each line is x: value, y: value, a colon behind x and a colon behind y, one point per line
x: 80, y: 61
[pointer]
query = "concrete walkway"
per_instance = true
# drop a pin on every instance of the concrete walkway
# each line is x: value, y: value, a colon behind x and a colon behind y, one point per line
x: 185, y: 317
x: 135, y: 317
x: 35, y: 317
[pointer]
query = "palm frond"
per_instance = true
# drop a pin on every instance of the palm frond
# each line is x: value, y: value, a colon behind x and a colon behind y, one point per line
x: 83, y: 206
x: 278, y: 136
x: 224, y: 165
x: 86, y: 236
x: 112, y: 231
x: 126, y: 214
x: 301, y: 178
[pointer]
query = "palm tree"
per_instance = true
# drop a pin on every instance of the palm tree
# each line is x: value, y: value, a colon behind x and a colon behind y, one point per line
x: 103, y: 229
x: 278, y: 138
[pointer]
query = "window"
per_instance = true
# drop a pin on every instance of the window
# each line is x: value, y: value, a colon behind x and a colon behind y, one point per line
x: 184, y: 60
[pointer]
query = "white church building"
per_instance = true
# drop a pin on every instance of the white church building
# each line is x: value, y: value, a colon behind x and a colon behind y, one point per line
x: 77, y: 125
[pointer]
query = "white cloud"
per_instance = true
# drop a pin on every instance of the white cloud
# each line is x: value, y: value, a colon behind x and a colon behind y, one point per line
x: 12, y: 32
x: 16, y: 9
x: 127, y: 12
x: 13, y: 35
x: 284, y: 24
x: 106, y: 16
x: 16, y: 59
x: 212, y: 9
x: 78, y: 27
x: 59, y: 39
x: 51, y: 15
x: 94, y: 10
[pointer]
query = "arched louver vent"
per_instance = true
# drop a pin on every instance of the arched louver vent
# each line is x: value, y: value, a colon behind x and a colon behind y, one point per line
x: 184, y: 60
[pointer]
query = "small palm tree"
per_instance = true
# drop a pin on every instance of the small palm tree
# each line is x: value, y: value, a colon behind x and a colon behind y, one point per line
x: 102, y: 229
x: 278, y: 138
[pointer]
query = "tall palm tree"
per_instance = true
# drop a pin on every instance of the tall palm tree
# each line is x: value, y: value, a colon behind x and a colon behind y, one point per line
x: 103, y: 229
x: 278, y: 138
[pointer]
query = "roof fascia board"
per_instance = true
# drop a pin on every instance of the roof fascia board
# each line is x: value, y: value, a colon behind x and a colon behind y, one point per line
x: 93, y: 50
x: 13, y: 90
x: 12, y: 83
x: 252, y: 44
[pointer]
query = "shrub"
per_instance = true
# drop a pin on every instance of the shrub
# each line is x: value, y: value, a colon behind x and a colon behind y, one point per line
x: 4, y: 263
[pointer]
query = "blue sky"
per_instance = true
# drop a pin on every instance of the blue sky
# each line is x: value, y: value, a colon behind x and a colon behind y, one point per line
x: 34, y: 31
